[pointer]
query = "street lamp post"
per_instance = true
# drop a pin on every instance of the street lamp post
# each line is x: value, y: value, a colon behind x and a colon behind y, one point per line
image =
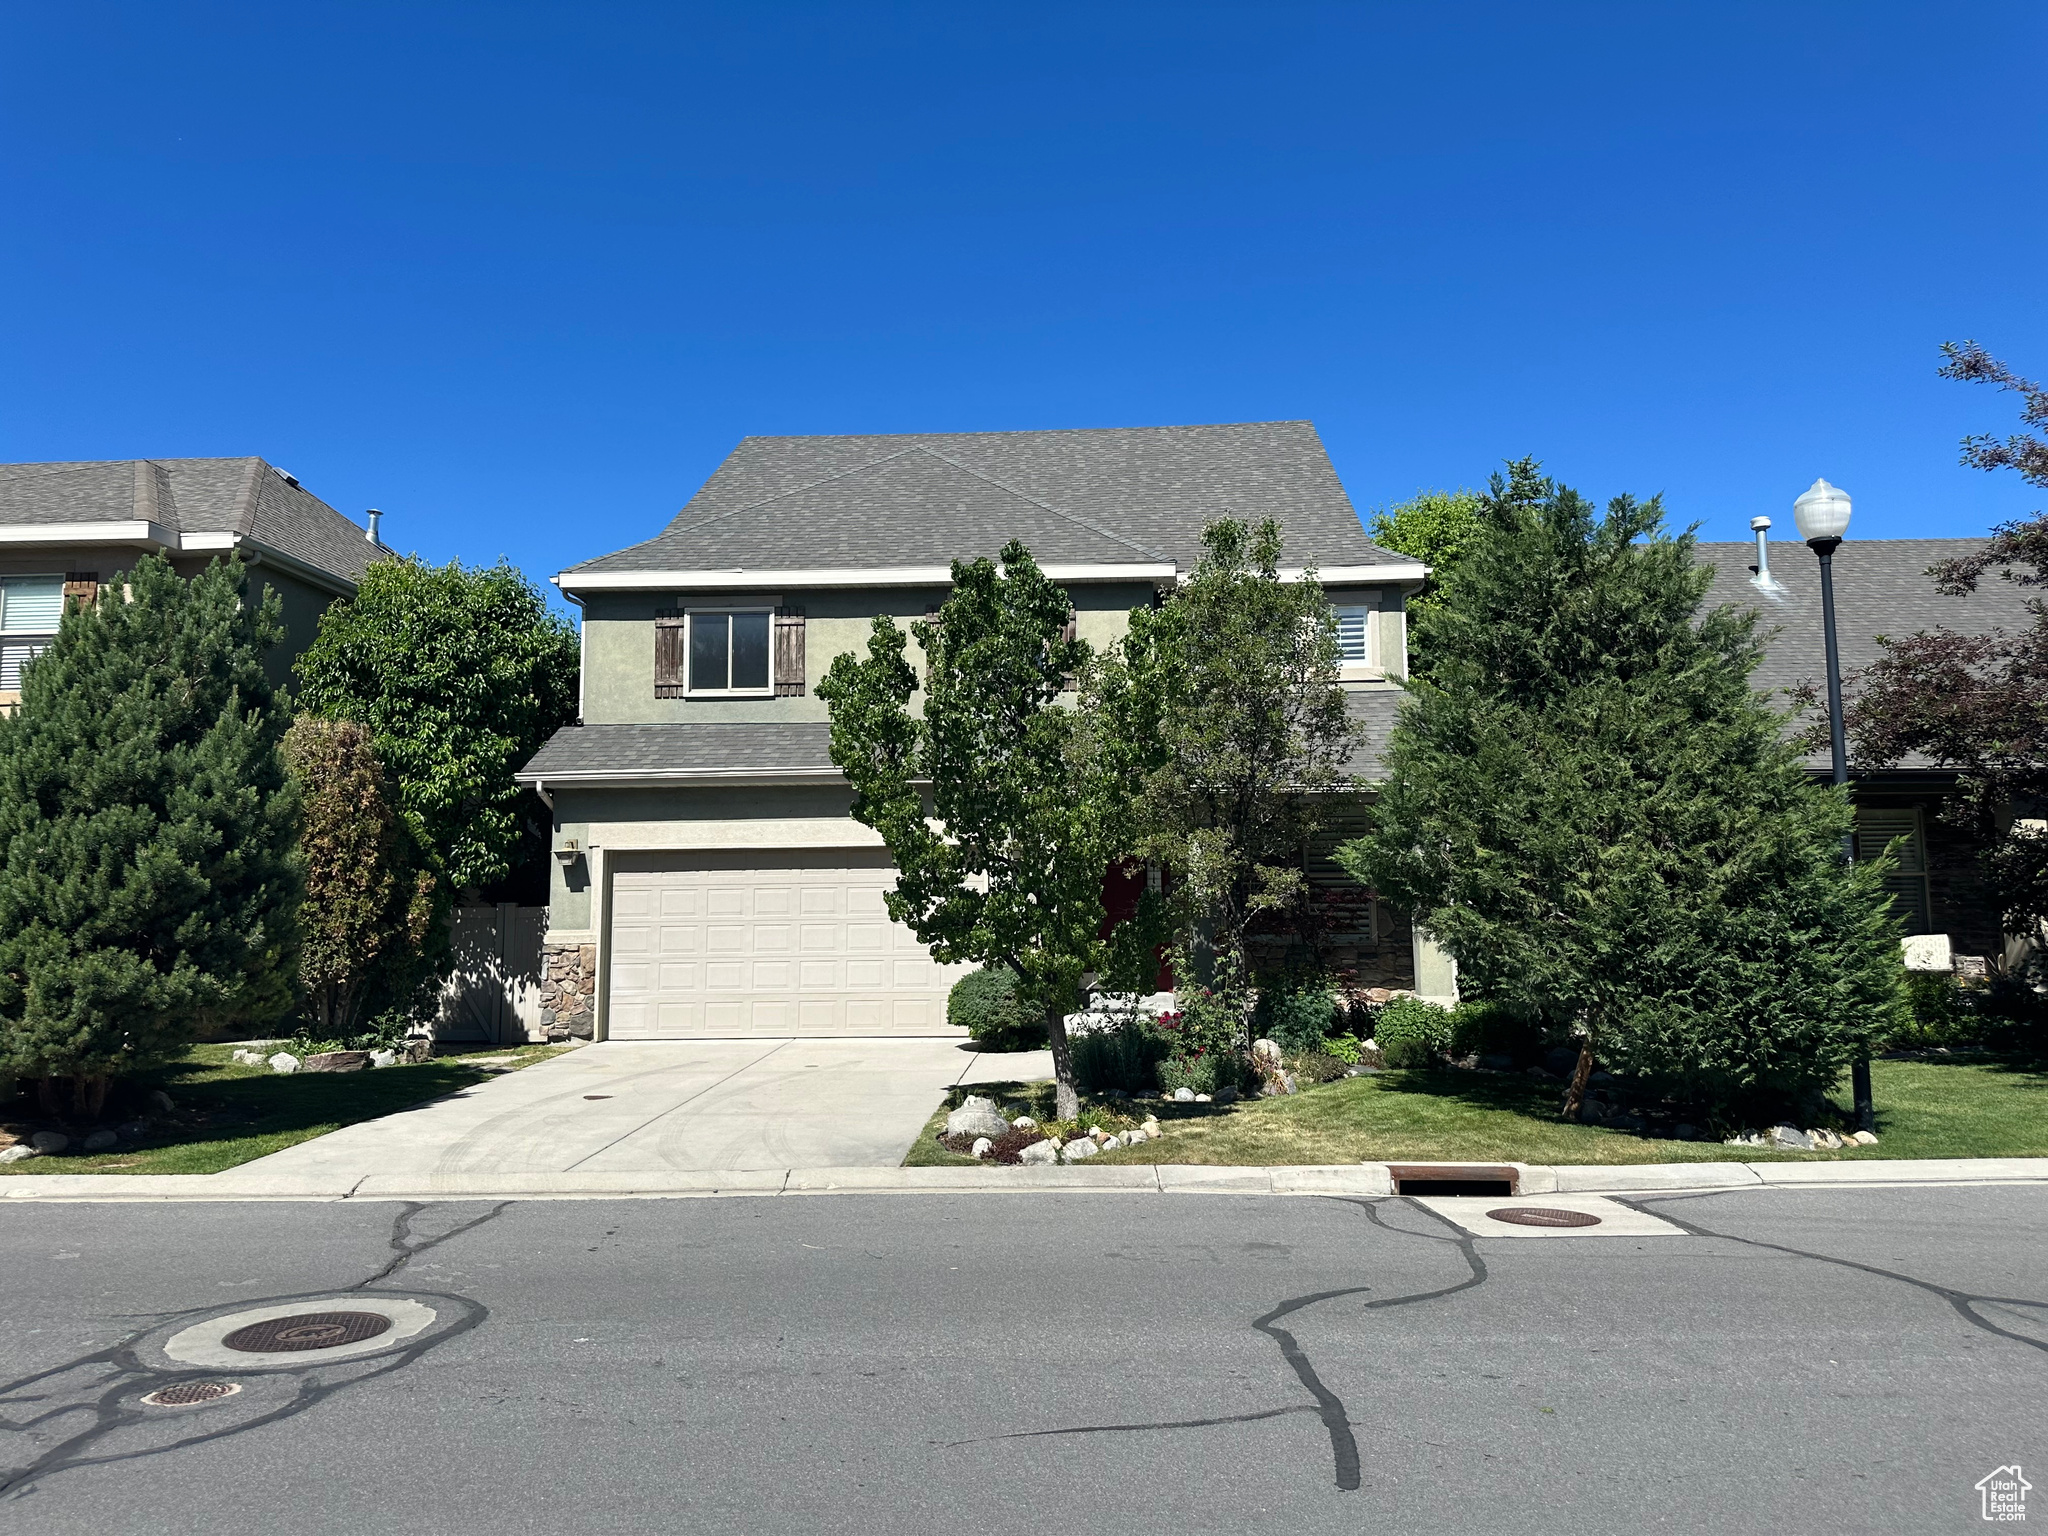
x: 1823, y: 517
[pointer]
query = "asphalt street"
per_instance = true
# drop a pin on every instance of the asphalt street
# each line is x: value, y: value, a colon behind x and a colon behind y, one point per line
x: 1794, y: 1360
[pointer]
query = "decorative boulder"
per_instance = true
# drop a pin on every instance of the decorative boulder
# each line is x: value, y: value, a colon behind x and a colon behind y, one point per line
x: 336, y: 1061
x: 1928, y: 952
x: 976, y: 1116
x: 159, y: 1100
x: 1865, y: 1138
x: 1024, y: 1123
x: 981, y: 1148
x: 1039, y: 1153
x: 47, y: 1142
x: 1266, y: 1051
x: 17, y: 1153
x: 1226, y: 1096
x: 284, y: 1061
x: 1079, y: 1148
x: 1788, y: 1136
x: 99, y: 1141
x: 383, y: 1058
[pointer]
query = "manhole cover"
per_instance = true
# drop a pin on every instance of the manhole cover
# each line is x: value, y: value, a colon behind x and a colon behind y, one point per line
x: 307, y: 1330
x: 186, y: 1393
x: 1542, y: 1216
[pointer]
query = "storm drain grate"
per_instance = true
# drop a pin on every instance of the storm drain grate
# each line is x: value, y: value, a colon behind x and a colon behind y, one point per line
x: 1542, y: 1216
x: 187, y: 1393
x: 307, y: 1330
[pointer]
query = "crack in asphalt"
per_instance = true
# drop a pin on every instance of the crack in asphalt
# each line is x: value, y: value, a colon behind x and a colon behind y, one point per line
x: 1326, y: 1404
x: 1963, y: 1303
x: 118, y: 1378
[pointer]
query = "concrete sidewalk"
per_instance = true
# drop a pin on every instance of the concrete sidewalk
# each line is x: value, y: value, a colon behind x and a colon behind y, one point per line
x: 261, y: 1181
x: 659, y: 1108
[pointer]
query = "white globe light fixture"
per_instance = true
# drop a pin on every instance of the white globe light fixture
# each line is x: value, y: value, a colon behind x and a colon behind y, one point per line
x: 1822, y: 513
x: 1823, y: 517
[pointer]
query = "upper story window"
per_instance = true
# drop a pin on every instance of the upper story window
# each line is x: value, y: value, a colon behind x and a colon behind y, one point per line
x: 30, y: 608
x: 728, y: 653
x: 1354, y: 639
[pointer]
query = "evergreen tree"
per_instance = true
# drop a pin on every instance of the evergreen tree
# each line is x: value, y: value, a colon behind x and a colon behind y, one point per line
x: 1590, y: 808
x: 149, y: 880
x: 370, y: 941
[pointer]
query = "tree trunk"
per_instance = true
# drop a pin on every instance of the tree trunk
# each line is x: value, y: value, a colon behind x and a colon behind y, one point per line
x: 1575, y: 1094
x: 46, y: 1098
x: 1066, y: 1094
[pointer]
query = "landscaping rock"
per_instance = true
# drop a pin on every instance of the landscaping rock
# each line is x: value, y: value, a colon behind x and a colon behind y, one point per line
x: 335, y: 1061
x: 100, y: 1140
x: 1289, y: 1084
x: 1024, y: 1123
x: 981, y: 1148
x: 383, y: 1058
x: 17, y: 1153
x: 1865, y: 1138
x: 976, y: 1116
x: 131, y: 1129
x: 1203, y: 1098
x: 1183, y: 1095
x: 1592, y: 1111
x: 1266, y: 1050
x: 1079, y: 1149
x: 158, y: 1099
x: 1685, y: 1132
x: 47, y: 1142
x: 1133, y: 1138
x: 1039, y: 1152
x: 1789, y: 1136
x: 1826, y: 1140
x: 1097, y: 1131
x: 284, y: 1061
x: 1227, y: 1096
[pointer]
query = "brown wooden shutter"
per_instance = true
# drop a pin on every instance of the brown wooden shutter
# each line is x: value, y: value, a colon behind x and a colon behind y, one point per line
x: 668, y: 654
x: 789, y: 653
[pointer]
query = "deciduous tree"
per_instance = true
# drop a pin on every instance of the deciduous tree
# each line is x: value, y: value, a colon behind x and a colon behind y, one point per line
x: 1000, y: 833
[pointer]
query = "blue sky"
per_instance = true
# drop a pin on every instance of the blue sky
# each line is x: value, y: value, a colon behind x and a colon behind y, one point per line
x: 521, y: 274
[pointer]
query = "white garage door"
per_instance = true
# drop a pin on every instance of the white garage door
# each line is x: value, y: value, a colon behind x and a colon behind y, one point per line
x: 766, y: 943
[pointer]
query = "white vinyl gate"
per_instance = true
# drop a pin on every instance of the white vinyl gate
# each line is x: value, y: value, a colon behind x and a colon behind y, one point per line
x: 766, y: 942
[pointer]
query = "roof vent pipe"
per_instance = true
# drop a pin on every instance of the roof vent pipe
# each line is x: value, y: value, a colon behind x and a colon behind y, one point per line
x: 1763, y: 580
x: 377, y: 517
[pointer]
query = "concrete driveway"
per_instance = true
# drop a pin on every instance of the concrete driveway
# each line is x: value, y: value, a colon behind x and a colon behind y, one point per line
x: 696, y: 1105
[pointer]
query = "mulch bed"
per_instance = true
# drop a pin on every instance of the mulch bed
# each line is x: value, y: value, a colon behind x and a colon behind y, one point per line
x: 1004, y: 1148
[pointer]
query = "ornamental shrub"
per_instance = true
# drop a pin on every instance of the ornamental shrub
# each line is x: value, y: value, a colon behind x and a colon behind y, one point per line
x: 1344, y: 1048
x: 985, y: 1004
x: 1412, y: 1033
x: 1126, y: 1057
x: 1495, y: 1029
x: 1297, y: 1012
x: 1210, y: 1072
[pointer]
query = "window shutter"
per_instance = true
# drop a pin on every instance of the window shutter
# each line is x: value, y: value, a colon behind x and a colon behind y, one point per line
x: 668, y: 654
x: 789, y: 653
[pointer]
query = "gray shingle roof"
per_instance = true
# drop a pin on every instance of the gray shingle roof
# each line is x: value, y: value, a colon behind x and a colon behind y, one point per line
x: 243, y: 496
x: 1881, y: 589
x: 1115, y: 496
x: 634, y: 751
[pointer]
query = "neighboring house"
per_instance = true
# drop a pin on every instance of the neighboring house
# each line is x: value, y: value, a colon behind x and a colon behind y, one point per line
x: 710, y: 879
x: 1882, y: 589
x: 69, y: 528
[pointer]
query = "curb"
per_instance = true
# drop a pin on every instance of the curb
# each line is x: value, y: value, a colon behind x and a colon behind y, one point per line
x: 1145, y: 1178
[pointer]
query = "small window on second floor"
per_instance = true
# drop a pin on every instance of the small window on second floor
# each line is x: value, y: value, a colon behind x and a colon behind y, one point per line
x: 1354, y: 636
x: 729, y: 651
x: 30, y: 608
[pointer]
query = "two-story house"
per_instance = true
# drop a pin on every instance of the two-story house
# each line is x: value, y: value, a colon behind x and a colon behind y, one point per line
x: 69, y: 528
x: 709, y: 879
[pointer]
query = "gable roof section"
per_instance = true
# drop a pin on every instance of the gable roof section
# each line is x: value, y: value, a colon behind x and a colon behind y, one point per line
x: 1881, y: 589
x: 190, y: 504
x: 1117, y: 496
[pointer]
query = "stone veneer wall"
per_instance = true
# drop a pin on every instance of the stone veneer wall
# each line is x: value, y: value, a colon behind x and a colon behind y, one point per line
x: 568, y: 991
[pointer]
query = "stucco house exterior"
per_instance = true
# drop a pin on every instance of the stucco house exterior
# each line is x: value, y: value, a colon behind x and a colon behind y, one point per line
x: 72, y: 527
x: 709, y: 879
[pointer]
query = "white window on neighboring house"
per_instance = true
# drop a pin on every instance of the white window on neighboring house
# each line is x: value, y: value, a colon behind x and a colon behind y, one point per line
x: 30, y: 607
x: 1354, y: 639
x: 1876, y: 830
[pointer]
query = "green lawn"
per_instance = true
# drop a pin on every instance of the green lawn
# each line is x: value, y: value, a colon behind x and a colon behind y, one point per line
x: 1924, y: 1109
x: 227, y: 1113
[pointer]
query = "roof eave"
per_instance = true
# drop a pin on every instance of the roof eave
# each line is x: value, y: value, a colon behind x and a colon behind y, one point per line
x: 573, y: 580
